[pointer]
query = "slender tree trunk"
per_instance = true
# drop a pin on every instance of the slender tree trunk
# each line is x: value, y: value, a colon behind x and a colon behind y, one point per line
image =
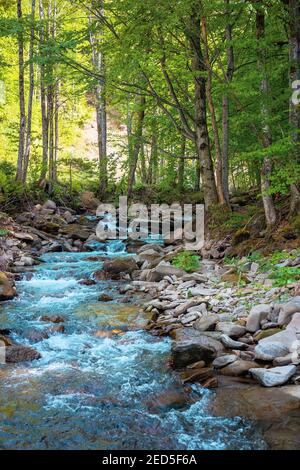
x: 45, y: 124
x: 152, y: 174
x: 31, y: 93
x: 22, y: 128
x: 181, y: 165
x: 100, y: 99
x: 50, y: 100
x: 294, y: 47
x: 219, y: 160
x: 137, y: 145
x: 201, y: 131
x: 143, y: 164
x: 56, y: 129
x: 266, y: 169
x: 51, y: 96
x: 225, y: 106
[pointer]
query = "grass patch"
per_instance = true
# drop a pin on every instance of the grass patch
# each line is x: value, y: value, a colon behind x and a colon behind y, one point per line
x: 187, y: 261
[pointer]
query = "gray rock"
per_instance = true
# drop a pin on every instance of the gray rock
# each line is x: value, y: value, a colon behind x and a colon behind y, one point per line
x: 195, y: 277
x: 49, y: 205
x: 231, y: 329
x: 231, y: 344
x: 288, y: 310
x: 192, y: 346
x: 238, y: 368
x: 161, y: 270
x: 190, y: 317
x: 286, y: 360
x: 256, y: 315
x: 19, y: 353
x: 206, y: 323
x: 223, y: 361
x: 294, y: 324
x: 202, y: 291
x: 274, y: 376
x: 278, y: 345
x: 254, y: 267
x: 181, y: 309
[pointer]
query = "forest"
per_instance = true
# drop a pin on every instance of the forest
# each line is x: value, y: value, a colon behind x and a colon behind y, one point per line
x: 184, y: 97
x: 178, y: 333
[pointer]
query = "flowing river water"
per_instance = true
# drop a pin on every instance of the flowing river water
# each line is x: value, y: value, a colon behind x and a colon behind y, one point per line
x: 96, y: 390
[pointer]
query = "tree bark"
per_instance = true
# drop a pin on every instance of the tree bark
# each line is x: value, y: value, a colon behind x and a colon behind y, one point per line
x: 30, y: 96
x: 266, y: 169
x: 56, y: 130
x: 225, y: 107
x: 98, y: 60
x: 201, y: 131
x: 181, y: 165
x: 218, y: 150
x: 294, y: 53
x: 45, y: 124
x: 137, y: 145
x: 22, y: 128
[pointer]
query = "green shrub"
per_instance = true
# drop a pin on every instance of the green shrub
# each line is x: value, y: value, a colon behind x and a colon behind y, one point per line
x: 187, y: 261
x: 284, y: 276
x: 3, y: 232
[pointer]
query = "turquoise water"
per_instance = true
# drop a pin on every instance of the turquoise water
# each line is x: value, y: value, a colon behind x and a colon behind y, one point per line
x: 104, y: 383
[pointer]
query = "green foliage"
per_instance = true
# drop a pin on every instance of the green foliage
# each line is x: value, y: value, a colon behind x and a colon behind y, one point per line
x: 3, y: 232
x: 284, y: 276
x: 187, y: 261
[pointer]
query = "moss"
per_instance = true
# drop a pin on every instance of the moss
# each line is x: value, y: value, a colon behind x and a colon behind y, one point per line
x: 266, y: 333
x: 240, y: 236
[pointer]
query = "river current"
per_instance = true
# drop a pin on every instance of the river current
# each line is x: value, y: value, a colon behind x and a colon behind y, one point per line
x: 104, y: 383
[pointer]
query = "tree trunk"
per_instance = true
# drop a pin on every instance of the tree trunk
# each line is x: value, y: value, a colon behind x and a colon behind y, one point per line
x: 22, y: 128
x: 225, y: 107
x: 201, y: 131
x: 137, y: 145
x: 294, y: 47
x: 219, y: 162
x: 45, y: 124
x: 153, y: 162
x: 98, y: 60
x: 181, y: 165
x: 56, y: 130
x: 51, y: 96
x: 266, y: 169
x: 31, y: 93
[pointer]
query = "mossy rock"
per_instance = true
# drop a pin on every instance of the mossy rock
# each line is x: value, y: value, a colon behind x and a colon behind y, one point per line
x: 266, y: 333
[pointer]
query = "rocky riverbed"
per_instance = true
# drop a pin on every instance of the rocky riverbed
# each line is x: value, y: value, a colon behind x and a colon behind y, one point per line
x: 239, y: 339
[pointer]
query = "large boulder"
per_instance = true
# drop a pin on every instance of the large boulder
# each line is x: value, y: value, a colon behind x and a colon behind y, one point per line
x: 206, y: 322
x: 88, y: 200
x: 49, y: 205
x: 238, y: 368
x: 76, y: 232
x: 223, y: 361
x: 7, y: 288
x: 230, y: 329
x: 294, y: 324
x: 256, y: 315
x: 275, y: 376
x: 115, y: 268
x: 278, y: 345
x: 192, y: 346
x: 161, y: 270
x: 19, y: 353
x: 288, y: 310
x: 150, y: 257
